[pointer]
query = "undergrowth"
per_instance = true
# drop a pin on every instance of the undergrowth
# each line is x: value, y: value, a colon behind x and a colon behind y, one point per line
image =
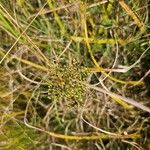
x: 74, y: 75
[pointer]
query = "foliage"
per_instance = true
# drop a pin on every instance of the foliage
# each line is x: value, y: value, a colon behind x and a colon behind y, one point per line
x: 67, y: 70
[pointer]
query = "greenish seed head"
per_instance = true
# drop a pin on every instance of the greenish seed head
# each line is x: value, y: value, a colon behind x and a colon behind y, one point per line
x: 63, y: 84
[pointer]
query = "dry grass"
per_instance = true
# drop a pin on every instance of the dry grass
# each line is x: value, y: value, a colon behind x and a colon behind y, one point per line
x: 74, y: 75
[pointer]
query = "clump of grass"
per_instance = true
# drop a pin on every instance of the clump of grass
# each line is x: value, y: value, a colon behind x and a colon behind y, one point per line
x: 44, y: 104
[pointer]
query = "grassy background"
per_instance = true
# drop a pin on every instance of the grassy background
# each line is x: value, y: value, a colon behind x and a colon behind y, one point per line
x: 60, y: 64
